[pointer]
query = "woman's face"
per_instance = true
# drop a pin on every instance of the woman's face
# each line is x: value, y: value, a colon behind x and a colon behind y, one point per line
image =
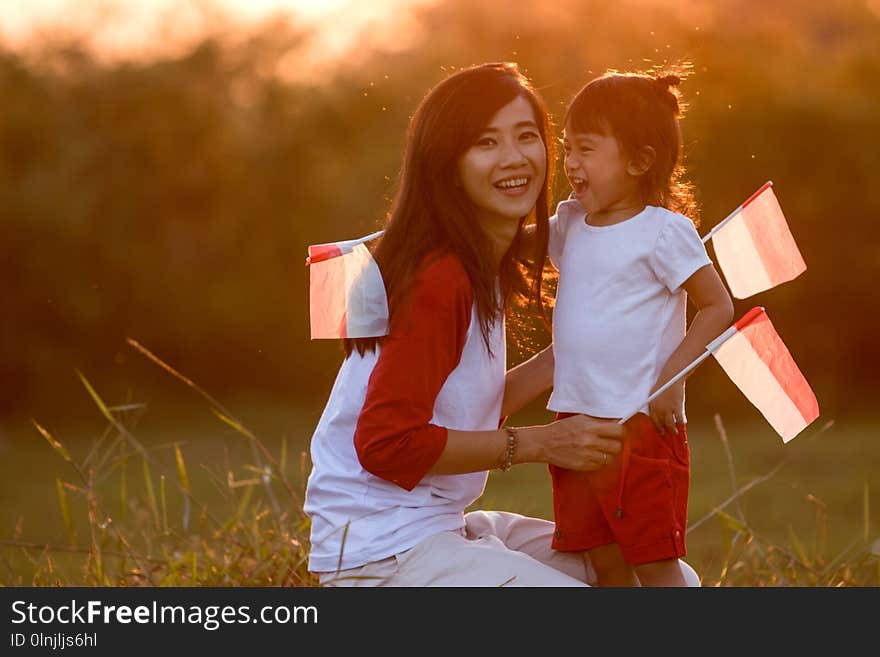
x: 503, y: 172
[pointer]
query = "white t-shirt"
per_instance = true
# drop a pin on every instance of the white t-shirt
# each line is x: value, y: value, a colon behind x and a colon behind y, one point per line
x: 358, y: 517
x: 620, y: 311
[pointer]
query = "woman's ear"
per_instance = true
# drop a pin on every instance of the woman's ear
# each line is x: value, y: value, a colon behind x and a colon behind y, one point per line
x: 642, y: 162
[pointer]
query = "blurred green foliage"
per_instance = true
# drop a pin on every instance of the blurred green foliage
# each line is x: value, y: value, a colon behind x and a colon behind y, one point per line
x: 173, y: 200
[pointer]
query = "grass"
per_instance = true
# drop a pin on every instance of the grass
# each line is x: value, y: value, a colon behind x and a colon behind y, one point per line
x: 142, y: 504
x: 760, y: 513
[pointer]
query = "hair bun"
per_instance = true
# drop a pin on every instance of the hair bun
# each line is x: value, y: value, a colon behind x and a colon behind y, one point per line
x: 666, y: 81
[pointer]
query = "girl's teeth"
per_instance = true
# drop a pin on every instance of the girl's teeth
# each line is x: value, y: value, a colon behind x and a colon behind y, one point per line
x: 513, y: 183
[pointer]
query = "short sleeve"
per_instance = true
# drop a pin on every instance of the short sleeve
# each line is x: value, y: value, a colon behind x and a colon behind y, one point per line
x: 560, y: 223
x: 678, y: 252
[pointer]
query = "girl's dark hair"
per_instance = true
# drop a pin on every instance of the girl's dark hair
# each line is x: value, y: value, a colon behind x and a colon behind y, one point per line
x: 641, y: 110
x: 431, y: 213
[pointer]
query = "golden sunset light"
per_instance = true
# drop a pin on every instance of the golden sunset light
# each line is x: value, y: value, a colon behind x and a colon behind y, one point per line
x: 255, y: 254
x: 140, y: 29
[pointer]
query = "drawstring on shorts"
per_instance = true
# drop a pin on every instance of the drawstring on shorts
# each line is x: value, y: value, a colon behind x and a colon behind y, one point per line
x: 624, y: 466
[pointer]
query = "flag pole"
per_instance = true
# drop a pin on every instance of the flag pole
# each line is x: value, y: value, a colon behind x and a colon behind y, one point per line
x: 724, y: 221
x: 711, y: 347
x: 341, y: 248
x: 721, y: 225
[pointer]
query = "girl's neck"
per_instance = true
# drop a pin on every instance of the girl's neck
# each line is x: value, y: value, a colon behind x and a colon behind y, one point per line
x: 616, y: 213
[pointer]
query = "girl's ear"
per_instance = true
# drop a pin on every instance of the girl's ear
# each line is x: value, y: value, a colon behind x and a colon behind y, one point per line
x: 642, y: 162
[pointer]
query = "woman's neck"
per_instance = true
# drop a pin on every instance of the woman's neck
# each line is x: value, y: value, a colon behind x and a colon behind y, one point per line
x: 501, y: 235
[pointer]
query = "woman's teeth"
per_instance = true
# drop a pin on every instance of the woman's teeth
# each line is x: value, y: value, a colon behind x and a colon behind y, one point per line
x: 513, y: 182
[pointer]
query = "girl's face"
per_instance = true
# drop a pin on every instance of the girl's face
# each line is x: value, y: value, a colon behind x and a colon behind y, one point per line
x: 599, y: 172
x: 503, y: 172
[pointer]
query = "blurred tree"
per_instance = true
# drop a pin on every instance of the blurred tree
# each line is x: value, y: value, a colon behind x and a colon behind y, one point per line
x: 173, y: 200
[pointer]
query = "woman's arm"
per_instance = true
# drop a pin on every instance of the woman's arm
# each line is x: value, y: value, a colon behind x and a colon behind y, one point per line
x: 394, y: 438
x: 527, y: 380
x: 576, y: 443
x: 714, y: 315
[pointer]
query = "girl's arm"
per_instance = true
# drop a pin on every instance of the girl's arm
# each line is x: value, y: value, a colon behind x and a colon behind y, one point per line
x: 714, y: 315
x: 527, y: 380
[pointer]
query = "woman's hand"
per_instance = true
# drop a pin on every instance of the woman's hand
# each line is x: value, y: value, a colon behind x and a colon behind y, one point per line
x: 666, y: 410
x: 575, y: 443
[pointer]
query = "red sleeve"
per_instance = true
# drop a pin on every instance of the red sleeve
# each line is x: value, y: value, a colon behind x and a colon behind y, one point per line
x: 394, y: 438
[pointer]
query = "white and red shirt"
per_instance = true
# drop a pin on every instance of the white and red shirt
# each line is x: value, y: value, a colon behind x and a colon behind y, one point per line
x: 369, y: 495
x: 620, y: 311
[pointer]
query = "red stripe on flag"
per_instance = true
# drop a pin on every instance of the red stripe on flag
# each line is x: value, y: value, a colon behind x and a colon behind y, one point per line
x: 751, y: 198
x: 772, y: 239
x: 749, y: 317
x: 319, y: 252
x: 767, y: 344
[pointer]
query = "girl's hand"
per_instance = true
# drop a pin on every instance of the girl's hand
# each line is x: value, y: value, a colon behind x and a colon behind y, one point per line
x: 667, y: 410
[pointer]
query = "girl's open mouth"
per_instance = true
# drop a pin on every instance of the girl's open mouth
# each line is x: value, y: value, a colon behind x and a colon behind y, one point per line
x: 579, y: 185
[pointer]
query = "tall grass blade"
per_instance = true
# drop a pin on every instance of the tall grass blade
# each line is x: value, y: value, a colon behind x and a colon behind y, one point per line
x: 94, y: 522
x: 184, y: 482
x: 65, y: 512
x: 57, y: 446
x: 151, y: 493
x: 798, y: 546
x: 234, y: 424
x: 164, y: 504
x: 181, y: 469
x: 123, y: 488
x: 97, y: 399
x: 732, y: 522
x: 242, y: 505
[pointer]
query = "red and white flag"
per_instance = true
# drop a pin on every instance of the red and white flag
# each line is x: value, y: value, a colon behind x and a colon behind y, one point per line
x: 346, y: 293
x: 757, y: 361
x: 754, y: 246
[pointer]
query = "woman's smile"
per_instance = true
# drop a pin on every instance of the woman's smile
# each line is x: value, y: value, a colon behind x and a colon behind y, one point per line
x: 515, y: 186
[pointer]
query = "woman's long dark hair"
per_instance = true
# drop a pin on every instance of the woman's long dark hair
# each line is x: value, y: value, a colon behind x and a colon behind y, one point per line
x: 431, y: 213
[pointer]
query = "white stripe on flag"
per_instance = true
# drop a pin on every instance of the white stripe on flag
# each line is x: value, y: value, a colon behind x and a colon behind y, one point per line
x: 366, y: 302
x: 739, y: 259
x: 753, y: 376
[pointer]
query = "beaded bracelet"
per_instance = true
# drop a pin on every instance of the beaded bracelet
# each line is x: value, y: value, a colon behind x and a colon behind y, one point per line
x: 510, y: 452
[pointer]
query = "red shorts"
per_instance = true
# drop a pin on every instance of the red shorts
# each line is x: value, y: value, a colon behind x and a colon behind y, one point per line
x: 645, y: 513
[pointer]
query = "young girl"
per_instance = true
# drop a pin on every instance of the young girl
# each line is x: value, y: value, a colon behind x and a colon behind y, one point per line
x: 627, y: 262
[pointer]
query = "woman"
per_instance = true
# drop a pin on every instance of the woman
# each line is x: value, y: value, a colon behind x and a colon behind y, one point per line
x: 411, y: 426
